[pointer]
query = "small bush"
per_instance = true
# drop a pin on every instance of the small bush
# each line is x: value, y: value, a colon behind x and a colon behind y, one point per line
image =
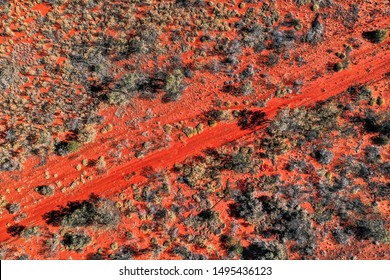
x: 323, y: 156
x: 186, y: 254
x: 89, y: 213
x: 174, y: 86
x: 75, y: 242
x: 246, y: 88
x: 7, y: 164
x: 264, y: 251
x: 372, y: 154
x: 338, y: 67
x: 380, y: 101
x: 219, y: 115
x: 371, y: 229
x: 92, y: 212
x: 125, y: 89
x: 30, y: 232
x: 247, y: 72
x: 300, y: 3
x: 272, y: 59
x: 246, y: 206
x: 63, y: 148
x: 360, y: 92
x: 86, y: 134
x: 380, y: 140
x: 13, y: 208
x: 15, y: 230
x: 316, y: 32
x: 375, y: 36
x: 231, y: 245
x: 117, y: 98
x: 45, y: 190
x: 124, y: 253
x: 242, y: 161
x: 340, y: 236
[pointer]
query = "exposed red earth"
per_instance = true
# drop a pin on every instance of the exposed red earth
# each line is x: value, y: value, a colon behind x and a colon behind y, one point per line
x: 136, y: 152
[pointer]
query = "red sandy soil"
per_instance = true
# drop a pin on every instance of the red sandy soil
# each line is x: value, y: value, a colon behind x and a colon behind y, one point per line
x: 369, y: 65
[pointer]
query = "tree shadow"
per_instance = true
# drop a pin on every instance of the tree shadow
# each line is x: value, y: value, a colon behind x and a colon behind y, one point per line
x: 248, y: 119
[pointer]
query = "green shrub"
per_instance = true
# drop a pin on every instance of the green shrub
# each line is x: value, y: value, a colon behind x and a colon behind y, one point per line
x: 174, y: 85
x: 246, y: 88
x: 380, y: 101
x: 338, y: 67
x: 86, y: 134
x: 93, y: 212
x: 63, y: 148
x: 376, y: 36
x: 117, y: 98
x: 75, y: 242
x: 264, y: 251
x: 45, y: 190
x: 371, y: 229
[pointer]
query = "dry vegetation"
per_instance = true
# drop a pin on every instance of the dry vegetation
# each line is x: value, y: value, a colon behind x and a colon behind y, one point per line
x: 194, y: 129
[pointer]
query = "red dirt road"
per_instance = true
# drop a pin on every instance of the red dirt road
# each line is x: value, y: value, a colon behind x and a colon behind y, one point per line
x: 377, y: 63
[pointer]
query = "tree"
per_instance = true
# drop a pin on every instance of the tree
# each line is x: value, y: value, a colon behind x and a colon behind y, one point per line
x: 375, y: 36
x: 324, y: 156
x: 63, y: 148
x: 174, y: 86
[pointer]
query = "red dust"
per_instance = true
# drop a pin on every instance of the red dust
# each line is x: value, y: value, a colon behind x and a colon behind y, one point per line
x: 143, y: 121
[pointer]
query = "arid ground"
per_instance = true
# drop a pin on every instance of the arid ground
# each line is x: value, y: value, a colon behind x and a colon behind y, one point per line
x: 194, y: 129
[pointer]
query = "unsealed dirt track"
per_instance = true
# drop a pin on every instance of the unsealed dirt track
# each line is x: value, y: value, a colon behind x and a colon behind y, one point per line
x: 175, y: 110
x: 112, y: 182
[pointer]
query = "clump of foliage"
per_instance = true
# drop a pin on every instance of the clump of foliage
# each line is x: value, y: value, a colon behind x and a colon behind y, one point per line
x: 208, y: 169
x: 13, y: 208
x: 316, y: 31
x: 193, y: 173
x: 340, y: 236
x: 263, y: 250
x: 242, y: 161
x: 246, y: 205
x: 372, y: 154
x: 275, y: 217
x: 374, y: 122
x: 174, y: 85
x: 246, y: 88
x: 75, y: 241
x: 16, y: 230
x: 64, y: 148
x: 380, y: 140
x: 92, y: 212
x: 45, y: 190
x: 30, y: 232
x: 86, y: 135
x: 125, y: 89
x: 186, y: 254
x: 124, y: 253
x: 206, y: 219
x: 298, y: 126
x: 360, y: 92
x: 323, y: 156
x: 219, y: 115
x: 232, y: 245
x: 248, y: 119
x: 376, y: 36
x: 101, y: 212
x: 371, y: 229
x: 9, y: 164
x: 337, y: 67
